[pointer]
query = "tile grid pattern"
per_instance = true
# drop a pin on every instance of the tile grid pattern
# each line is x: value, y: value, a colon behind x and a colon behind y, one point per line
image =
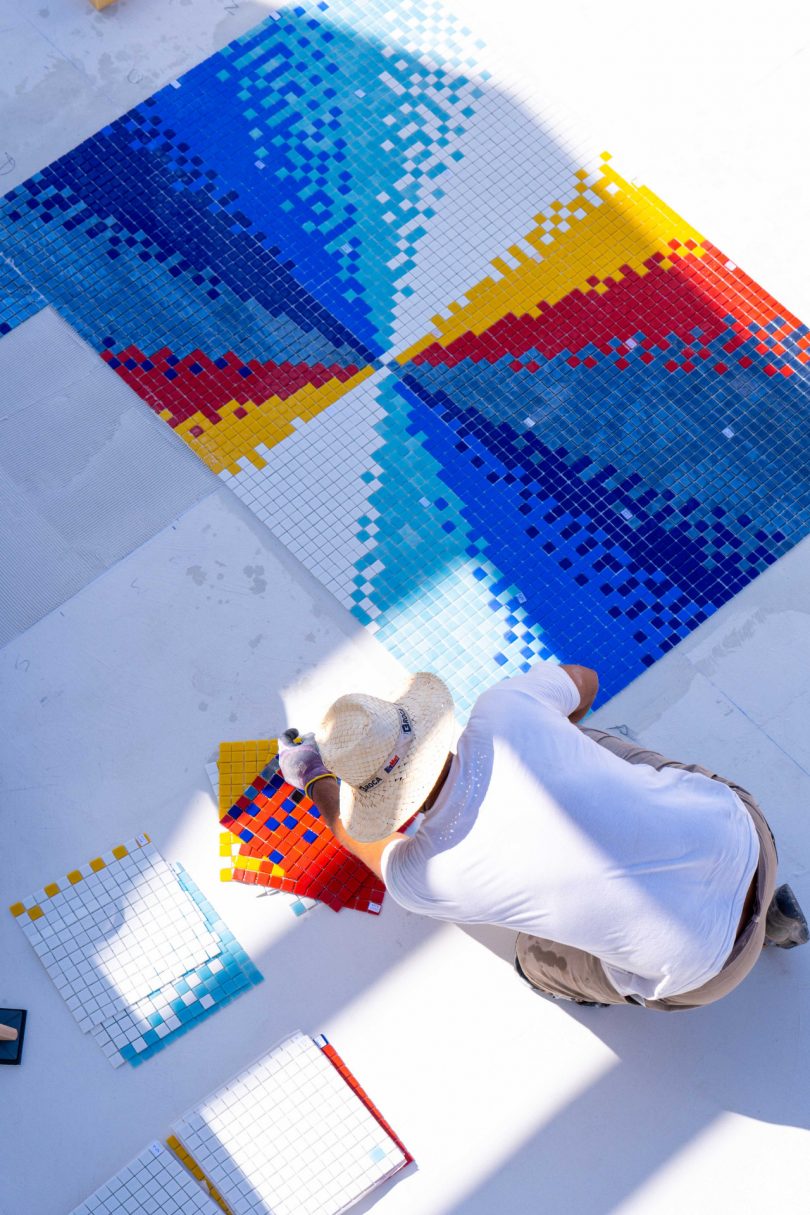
x: 337, y: 1062
x: 290, y: 1134
x: 155, y: 1183
x: 294, y: 1133
x: 191, y: 1164
x: 502, y: 401
x: 240, y: 762
x: 285, y: 845
x: 150, y: 1024
x: 98, y: 932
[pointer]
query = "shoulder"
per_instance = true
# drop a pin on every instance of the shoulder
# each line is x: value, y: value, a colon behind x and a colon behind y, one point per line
x: 545, y: 684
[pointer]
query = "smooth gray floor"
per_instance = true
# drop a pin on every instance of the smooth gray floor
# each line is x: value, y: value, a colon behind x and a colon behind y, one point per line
x: 87, y: 471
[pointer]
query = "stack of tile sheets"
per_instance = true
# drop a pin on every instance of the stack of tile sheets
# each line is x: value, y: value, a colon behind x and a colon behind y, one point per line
x: 232, y: 862
x: 135, y: 949
x: 153, y: 1184
x: 293, y: 1134
x: 276, y: 838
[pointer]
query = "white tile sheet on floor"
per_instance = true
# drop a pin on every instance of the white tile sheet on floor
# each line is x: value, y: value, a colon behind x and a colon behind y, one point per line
x: 155, y: 1183
x: 149, y: 1024
x: 114, y: 930
x: 288, y: 1134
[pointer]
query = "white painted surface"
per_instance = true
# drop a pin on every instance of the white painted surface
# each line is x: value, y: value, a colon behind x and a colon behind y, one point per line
x: 87, y: 470
x: 113, y: 703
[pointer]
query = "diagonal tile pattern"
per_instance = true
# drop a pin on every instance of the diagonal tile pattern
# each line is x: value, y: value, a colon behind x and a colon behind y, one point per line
x: 502, y: 401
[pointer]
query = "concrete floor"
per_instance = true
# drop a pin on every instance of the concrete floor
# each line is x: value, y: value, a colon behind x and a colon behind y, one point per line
x: 114, y: 701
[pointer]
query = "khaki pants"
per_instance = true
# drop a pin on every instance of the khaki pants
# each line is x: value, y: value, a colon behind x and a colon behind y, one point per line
x: 572, y: 974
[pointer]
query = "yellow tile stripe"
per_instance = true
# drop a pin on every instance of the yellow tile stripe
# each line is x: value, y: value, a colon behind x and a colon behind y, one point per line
x: 190, y: 1163
x: 31, y: 905
x: 238, y: 763
x: 612, y: 223
x: 230, y: 439
x: 252, y: 864
x: 229, y: 849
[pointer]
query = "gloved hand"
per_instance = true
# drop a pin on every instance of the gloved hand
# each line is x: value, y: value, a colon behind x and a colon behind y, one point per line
x: 300, y: 763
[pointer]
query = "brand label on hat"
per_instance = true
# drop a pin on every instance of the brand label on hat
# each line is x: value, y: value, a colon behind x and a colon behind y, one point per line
x: 375, y: 780
x: 395, y: 759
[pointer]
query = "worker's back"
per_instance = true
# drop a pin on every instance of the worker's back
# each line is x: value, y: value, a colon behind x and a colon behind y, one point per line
x: 540, y: 829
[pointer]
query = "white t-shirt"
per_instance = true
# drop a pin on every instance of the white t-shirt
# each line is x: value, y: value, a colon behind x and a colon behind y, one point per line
x: 540, y: 829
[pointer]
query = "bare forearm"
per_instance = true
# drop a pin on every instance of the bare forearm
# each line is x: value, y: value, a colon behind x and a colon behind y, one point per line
x: 325, y: 794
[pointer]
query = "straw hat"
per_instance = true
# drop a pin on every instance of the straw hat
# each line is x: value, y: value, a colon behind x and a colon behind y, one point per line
x: 388, y: 754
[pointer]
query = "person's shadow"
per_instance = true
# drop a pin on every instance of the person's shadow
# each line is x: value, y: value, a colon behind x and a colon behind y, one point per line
x: 676, y: 1073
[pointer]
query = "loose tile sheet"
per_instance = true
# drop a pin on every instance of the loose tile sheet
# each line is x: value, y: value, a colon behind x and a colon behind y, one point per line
x: 151, y: 1023
x: 290, y: 1136
x: 135, y: 949
x: 114, y: 930
x: 493, y: 392
x: 285, y: 845
x: 153, y: 1184
x: 244, y: 761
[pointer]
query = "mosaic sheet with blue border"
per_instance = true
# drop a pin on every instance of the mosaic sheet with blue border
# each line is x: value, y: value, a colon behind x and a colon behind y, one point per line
x: 150, y: 1024
x: 499, y: 398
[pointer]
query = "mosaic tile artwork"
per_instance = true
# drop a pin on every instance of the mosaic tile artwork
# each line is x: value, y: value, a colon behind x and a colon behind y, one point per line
x: 254, y: 757
x: 150, y: 1024
x: 114, y: 930
x: 293, y: 1133
x: 234, y: 769
x: 191, y: 1164
x: 335, y: 1059
x: 18, y: 299
x: 237, y: 764
x: 285, y: 845
x: 134, y: 948
x: 153, y: 1184
x: 501, y: 400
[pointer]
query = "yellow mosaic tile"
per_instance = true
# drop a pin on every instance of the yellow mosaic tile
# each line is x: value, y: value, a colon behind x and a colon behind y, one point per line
x: 237, y: 764
x: 185, y: 1158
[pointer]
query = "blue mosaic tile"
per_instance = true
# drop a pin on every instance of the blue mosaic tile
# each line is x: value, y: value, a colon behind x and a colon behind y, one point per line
x: 152, y: 1023
x: 502, y: 401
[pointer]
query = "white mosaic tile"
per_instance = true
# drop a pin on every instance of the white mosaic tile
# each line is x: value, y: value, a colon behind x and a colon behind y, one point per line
x: 289, y: 1136
x: 155, y: 1183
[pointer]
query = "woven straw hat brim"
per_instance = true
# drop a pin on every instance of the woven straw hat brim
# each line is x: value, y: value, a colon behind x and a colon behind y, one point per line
x: 379, y: 812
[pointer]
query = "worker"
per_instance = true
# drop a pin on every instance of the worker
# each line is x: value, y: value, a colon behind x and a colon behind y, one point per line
x: 629, y: 878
